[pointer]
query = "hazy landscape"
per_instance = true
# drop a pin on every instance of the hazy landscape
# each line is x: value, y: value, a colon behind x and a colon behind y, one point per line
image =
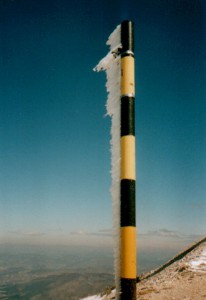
x: 54, y: 272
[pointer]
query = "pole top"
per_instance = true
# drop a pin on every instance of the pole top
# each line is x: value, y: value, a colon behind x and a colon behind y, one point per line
x: 127, y: 38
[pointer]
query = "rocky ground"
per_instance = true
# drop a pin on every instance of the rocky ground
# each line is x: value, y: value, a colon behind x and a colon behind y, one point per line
x: 184, y: 279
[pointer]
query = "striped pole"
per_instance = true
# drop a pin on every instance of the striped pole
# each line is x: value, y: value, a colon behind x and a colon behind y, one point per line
x: 127, y: 167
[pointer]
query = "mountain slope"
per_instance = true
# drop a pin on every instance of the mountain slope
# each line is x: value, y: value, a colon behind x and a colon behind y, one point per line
x: 183, y: 277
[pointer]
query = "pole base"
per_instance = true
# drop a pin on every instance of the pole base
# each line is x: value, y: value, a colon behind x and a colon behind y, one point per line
x: 127, y: 289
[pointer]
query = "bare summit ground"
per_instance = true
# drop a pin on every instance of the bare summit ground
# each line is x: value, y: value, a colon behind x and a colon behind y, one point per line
x: 184, y: 285
x: 183, y: 279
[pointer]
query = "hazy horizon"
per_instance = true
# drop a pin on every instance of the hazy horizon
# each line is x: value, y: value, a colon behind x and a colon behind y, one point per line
x: 100, y: 258
x: 64, y: 271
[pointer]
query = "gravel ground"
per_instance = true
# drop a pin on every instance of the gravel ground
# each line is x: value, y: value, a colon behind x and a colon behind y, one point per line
x: 184, y: 279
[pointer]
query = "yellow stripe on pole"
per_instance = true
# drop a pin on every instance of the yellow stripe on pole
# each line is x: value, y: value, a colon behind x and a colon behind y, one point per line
x: 127, y: 167
x: 127, y: 73
x: 128, y: 253
x: 127, y: 157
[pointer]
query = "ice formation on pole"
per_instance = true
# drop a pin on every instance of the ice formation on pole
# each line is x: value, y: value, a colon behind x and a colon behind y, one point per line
x: 93, y: 298
x: 111, y: 65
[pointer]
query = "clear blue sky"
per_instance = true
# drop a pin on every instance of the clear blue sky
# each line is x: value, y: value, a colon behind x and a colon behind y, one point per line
x: 54, y: 138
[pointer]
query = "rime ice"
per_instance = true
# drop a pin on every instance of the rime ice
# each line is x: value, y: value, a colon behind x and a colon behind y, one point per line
x: 93, y: 298
x: 111, y: 65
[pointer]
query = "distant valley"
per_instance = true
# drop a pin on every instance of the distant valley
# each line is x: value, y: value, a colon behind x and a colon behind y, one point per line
x: 60, y: 273
x: 53, y: 273
x: 71, y: 286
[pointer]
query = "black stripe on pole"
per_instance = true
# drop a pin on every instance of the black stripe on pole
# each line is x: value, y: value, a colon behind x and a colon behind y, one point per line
x: 127, y: 116
x: 127, y: 184
x: 128, y: 290
x: 127, y: 38
x: 127, y: 203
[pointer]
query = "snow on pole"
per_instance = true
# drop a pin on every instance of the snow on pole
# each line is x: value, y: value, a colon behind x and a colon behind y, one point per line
x: 111, y: 65
x: 119, y: 67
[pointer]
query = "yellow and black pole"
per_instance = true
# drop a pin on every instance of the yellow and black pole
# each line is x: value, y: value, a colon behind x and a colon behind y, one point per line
x: 127, y: 167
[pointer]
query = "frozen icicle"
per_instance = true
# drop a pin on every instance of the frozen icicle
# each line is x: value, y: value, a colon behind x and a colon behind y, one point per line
x: 114, y: 38
x: 111, y: 65
x: 114, y: 44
